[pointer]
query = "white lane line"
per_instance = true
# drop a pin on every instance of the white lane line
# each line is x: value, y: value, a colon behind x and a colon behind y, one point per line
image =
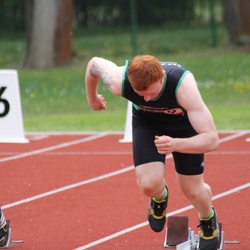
x: 77, y: 153
x: 62, y: 145
x: 229, y: 153
x: 135, y: 227
x: 117, y: 153
x: 74, y: 184
x: 93, y: 137
x: 49, y: 133
x: 90, y: 180
x: 234, y: 136
x: 62, y: 189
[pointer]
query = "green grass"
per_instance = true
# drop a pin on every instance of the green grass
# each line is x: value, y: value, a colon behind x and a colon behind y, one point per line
x: 55, y: 99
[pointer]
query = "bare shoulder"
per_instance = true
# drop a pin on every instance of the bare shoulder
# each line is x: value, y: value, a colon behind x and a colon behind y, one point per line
x: 188, y: 94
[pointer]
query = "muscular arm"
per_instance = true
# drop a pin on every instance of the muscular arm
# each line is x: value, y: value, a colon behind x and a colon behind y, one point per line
x: 111, y: 75
x: 199, y: 116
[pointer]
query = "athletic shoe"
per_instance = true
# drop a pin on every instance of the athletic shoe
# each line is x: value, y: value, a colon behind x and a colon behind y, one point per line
x: 209, y: 233
x: 3, y: 236
x: 157, y: 214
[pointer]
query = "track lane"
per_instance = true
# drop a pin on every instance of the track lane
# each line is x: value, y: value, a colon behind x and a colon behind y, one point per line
x: 32, y: 214
x: 66, y: 164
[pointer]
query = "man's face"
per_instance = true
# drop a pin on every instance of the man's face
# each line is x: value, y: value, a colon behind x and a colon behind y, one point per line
x: 152, y: 91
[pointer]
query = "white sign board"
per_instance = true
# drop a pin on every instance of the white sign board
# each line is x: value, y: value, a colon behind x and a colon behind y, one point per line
x: 128, y: 125
x: 11, y: 121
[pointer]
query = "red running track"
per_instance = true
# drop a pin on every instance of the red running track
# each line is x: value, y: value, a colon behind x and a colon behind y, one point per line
x: 78, y: 191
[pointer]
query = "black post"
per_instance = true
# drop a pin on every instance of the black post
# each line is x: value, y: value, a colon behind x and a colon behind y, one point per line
x: 133, y: 27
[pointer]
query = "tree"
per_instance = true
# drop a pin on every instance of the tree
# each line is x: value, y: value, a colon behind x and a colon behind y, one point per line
x: 245, y: 16
x: 237, y: 20
x: 11, y: 16
x: 48, y: 25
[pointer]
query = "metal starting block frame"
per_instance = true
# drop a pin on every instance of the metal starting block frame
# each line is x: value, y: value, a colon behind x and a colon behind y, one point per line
x: 10, y: 242
x: 181, y: 237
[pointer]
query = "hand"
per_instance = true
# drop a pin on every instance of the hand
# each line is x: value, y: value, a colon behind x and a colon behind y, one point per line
x: 164, y: 144
x: 98, y: 103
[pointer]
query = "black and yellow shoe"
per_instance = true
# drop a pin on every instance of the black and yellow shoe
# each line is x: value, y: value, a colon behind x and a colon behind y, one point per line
x: 209, y: 233
x: 157, y: 214
x: 3, y: 236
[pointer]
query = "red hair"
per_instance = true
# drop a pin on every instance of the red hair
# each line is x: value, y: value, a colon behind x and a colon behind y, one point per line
x: 143, y: 71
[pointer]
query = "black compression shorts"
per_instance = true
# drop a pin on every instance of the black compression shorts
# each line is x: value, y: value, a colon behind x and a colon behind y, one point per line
x: 145, y: 151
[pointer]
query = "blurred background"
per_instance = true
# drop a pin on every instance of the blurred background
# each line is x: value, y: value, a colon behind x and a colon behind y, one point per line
x: 49, y: 43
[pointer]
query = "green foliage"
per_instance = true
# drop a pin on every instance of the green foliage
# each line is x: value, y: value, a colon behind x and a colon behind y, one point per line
x: 148, y: 12
x: 108, y: 12
x: 12, y: 15
x: 55, y: 99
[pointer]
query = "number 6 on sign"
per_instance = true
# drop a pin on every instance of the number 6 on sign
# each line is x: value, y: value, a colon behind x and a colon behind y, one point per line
x: 6, y: 105
x: 11, y: 121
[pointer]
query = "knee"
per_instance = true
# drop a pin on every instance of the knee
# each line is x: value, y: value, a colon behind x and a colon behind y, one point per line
x: 150, y: 178
x: 194, y: 193
x: 148, y: 185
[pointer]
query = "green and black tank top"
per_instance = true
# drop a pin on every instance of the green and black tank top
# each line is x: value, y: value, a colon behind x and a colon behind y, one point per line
x: 165, y: 106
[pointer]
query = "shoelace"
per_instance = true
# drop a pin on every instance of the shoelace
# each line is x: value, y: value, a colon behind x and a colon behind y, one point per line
x: 158, y: 208
x: 3, y: 233
x: 206, y: 227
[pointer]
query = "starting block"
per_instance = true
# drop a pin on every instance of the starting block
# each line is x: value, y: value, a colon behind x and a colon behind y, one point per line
x: 181, y: 237
x: 9, y: 242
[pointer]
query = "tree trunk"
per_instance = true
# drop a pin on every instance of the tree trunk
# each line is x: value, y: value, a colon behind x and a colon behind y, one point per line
x: 63, y: 47
x: 237, y: 20
x: 28, y: 24
x: 48, y: 33
x: 232, y: 20
x: 245, y: 16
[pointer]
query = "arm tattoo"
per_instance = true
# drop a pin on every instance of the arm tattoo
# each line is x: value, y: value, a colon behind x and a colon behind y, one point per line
x: 97, y: 71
